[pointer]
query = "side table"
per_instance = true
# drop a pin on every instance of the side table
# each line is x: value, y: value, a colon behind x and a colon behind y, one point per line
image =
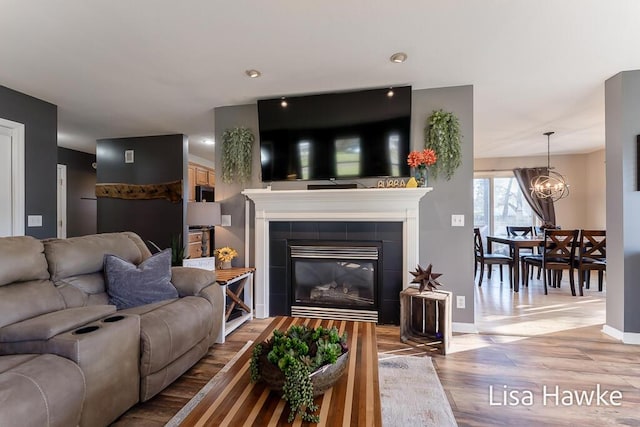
x: 237, y: 289
x: 425, y: 318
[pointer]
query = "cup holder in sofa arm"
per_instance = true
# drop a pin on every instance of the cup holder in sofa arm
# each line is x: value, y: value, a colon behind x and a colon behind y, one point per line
x: 86, y: 330
x: 99, y: 348
x: 113, y: 319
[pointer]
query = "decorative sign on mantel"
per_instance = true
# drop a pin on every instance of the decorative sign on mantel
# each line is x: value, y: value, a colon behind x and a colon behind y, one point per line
x: 392, y: 183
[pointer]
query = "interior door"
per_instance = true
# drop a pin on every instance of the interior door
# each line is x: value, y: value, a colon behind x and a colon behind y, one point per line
x: 6, y: 202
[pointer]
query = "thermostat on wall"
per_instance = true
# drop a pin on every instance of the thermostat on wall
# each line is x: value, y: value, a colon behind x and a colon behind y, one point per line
x: 128, y: 156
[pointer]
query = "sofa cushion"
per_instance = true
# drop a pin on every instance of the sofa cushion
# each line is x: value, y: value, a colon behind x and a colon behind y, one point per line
x: 22, y: 300
x: 44, y: 390
x: 22, y: 260
x: 49, y: 325
x: 130, y: 286
x: 170, y: 330
x: 85, y: 254
x: 82, y: 290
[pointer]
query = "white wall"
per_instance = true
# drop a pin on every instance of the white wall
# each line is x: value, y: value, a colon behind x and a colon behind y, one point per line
x: 585, y: 207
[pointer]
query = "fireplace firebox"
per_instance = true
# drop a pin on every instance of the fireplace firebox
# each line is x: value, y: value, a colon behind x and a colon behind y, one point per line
x: 335, y: 279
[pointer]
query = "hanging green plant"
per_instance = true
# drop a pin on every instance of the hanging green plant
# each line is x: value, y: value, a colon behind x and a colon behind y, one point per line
x: 237, y: 144
x: 442, y: 135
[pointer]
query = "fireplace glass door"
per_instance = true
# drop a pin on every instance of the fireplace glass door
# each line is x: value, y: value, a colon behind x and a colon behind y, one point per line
x: 338, y: 276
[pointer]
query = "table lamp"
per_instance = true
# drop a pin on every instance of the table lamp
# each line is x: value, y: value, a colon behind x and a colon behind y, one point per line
x: 203, y: 215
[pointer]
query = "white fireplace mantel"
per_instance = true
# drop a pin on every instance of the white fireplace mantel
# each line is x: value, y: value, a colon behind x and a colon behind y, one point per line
x: 372, y: 204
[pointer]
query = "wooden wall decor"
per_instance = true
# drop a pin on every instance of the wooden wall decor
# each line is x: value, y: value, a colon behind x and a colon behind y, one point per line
x: 171, y: 191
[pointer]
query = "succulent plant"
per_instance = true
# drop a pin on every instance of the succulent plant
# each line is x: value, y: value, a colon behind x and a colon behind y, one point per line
x: 297, y: 353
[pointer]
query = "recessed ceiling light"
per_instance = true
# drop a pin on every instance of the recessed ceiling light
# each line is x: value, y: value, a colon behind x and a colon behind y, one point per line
x: 398, y: 57
x: 253, y: 73
x: 208, y: 141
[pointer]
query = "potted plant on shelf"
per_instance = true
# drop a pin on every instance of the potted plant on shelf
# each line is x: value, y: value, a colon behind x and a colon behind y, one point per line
x: 442, y: 135
x: 300, y: 363
x: 224, y: 256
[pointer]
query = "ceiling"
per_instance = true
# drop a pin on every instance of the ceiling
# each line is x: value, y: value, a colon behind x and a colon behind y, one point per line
x: 130, y: 68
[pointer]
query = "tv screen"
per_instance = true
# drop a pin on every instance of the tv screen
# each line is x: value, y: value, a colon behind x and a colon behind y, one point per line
x: 336, y: 136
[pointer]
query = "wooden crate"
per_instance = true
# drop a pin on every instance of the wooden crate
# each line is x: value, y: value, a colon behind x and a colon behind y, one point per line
x: 425, y: 318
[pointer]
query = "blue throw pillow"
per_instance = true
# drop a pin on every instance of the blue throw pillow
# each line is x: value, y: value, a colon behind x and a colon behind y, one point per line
x: 129, y: 285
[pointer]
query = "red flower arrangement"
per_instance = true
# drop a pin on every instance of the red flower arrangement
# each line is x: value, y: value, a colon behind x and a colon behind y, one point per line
x: 424, y: 158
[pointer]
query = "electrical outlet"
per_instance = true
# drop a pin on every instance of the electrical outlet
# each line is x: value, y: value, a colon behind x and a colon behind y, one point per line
x: 457, y: 220
x: 460, y: 301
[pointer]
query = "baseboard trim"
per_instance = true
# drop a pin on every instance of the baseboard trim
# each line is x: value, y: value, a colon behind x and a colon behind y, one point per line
x: 626, y: 337
x: 465, y: 328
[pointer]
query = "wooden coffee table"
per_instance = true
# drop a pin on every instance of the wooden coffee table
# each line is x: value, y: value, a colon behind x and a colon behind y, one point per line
x: 353, y: 401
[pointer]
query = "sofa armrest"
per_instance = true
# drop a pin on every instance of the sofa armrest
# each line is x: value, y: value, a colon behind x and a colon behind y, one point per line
x: 216, y: 297
x: 190, y: 281
x: 48, y: 325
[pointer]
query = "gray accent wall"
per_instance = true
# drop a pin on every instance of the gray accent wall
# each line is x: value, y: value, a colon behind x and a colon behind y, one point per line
x: 449, y: 249
x: 157, y: 159
x: 40, y: 120
x: 622, y: 118
x: 228, y: 194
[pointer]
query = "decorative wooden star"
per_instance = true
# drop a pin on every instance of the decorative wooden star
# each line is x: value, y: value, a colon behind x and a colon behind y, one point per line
x: 425, y: 278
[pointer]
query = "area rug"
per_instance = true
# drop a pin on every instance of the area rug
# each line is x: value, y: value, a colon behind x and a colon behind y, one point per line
x: 411, y: 393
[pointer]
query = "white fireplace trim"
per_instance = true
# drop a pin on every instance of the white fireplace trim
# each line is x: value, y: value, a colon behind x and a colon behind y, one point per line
x: 373, y: 204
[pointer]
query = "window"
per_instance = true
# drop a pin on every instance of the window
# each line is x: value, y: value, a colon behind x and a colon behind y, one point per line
x: 498, y: 202
x: 347, y: 156
x: 393, y: 142
x: 304, y: 148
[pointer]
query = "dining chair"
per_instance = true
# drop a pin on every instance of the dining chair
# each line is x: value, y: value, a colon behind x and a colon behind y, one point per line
x: 522, y: 231
x: 558, y: 254
x: 592, y: 255
x: 482, y: 259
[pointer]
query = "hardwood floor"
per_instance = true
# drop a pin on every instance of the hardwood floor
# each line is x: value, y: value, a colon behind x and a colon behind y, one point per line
x: 527, y: 341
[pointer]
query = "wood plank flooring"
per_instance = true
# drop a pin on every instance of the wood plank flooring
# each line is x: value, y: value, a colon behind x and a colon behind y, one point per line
x: 527, y: 341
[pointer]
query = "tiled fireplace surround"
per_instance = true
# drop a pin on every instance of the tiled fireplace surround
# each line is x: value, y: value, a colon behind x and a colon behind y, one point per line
x: 389, y: 215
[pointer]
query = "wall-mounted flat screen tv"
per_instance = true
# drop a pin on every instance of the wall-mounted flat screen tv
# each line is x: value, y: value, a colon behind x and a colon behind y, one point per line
x: 345, y: 135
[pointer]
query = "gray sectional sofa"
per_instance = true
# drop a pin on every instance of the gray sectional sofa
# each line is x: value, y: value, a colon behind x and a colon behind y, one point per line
x: 68, y: 357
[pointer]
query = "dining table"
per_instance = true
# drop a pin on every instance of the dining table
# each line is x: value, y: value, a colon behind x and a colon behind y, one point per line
x: 515, y: 243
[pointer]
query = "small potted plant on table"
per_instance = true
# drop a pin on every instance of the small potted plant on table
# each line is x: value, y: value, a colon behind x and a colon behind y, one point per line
x: 301, y: 363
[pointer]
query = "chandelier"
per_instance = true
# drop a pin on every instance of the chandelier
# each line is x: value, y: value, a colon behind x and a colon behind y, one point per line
x: 551, y: 186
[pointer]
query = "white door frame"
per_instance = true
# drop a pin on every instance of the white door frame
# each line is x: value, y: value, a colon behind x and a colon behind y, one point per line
x: 17, y: 175
x: 61, y: 185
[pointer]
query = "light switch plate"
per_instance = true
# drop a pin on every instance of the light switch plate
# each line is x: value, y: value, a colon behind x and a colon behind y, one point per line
x: 457, y: 220
x: 225, y: 220
x: 34, y: 221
